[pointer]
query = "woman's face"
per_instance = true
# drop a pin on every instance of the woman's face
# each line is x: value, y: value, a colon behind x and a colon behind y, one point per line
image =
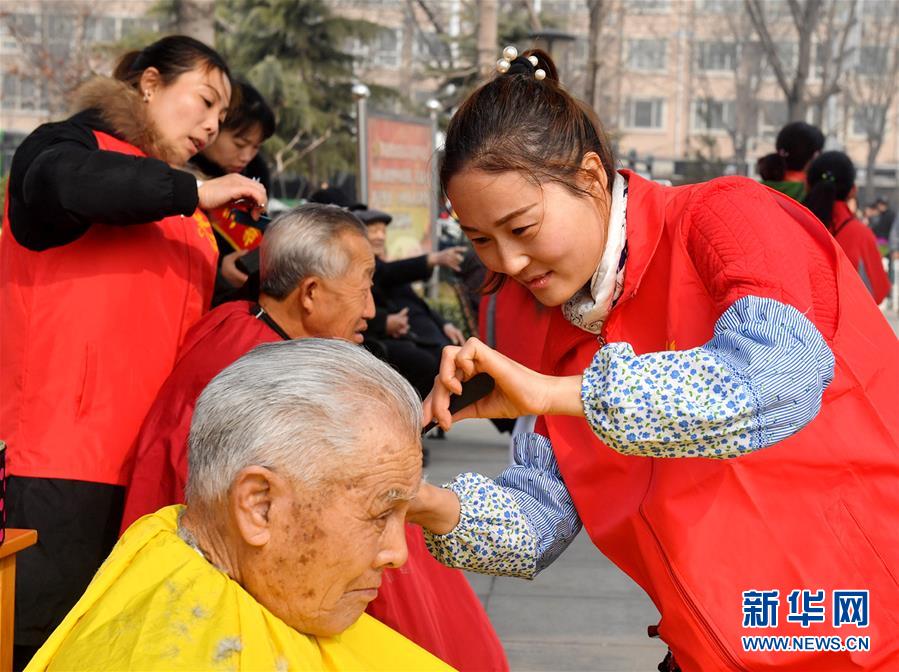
x: 187, y: 112
x: 233, y: 150
x: 544, y: 237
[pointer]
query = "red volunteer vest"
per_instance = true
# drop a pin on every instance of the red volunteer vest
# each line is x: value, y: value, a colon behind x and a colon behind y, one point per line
x: 818, y: 511
x: 90, y: 332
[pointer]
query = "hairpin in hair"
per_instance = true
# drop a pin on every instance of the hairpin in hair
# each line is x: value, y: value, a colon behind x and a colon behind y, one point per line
x: 828, y: 176
x: 510, y: 57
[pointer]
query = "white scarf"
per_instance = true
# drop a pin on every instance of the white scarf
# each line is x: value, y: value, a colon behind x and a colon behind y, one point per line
x: 589, y: 308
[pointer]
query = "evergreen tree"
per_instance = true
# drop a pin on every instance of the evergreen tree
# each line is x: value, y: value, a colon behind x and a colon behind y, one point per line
x: 293, y: 52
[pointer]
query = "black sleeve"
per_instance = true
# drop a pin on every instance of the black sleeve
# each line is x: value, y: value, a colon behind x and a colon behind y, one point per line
x: 377, y: 326
x: 61, y: 183
x: 403, y: 271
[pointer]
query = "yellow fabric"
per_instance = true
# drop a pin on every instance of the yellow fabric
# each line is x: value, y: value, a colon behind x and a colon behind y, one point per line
x: 156, y: 604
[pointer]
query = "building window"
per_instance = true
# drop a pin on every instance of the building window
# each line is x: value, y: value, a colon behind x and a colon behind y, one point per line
x: 866, y: 118
x: 23, y: 94
x: 645, y: 113
x: 646, y: 54
x: 872, y: 60
x: 649, y: 6
x: 713, y: 115
x: 100, y: 29
x: 715, y: 6
x: 715, y: 56
x: 773, y: 115
x: 385, y: 49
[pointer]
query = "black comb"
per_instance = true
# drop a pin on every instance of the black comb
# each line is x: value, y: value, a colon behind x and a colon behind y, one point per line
x: 473, y: 390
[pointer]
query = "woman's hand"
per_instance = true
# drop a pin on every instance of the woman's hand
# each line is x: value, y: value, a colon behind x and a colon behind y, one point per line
x: 519, y: 390
x: 229, y: 188
x: 435, y: 509
x: 234, y: 276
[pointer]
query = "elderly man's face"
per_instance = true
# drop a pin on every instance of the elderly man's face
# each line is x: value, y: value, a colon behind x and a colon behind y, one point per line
x: 325, y: 562
x: 344, y: 304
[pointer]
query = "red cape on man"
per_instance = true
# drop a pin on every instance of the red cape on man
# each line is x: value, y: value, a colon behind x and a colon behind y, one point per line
x: 432, y: 605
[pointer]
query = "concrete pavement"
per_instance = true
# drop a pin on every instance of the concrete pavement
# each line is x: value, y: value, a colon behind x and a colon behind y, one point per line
x: 582, y: 613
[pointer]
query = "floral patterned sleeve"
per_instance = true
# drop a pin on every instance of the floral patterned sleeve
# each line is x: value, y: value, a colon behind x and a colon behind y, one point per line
x: 515, y: 525
x: 758, y: 381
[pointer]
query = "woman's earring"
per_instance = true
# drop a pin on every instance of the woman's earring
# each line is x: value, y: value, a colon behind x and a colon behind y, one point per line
x: 146, y: 97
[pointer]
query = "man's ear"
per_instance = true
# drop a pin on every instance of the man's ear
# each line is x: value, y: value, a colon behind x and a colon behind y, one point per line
x: 308, y: 292
x: 250, y: 497
x: 594, y: 174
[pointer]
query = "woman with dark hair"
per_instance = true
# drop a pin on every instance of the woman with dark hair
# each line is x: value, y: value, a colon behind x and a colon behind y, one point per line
x: 831, y: 181
x: 784, y: 170
x: 236, y: 150
x: 105, y: 262
x: 717, y: 390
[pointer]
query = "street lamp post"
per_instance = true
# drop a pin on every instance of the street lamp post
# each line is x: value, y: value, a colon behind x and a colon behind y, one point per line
x: 361, y: 94
x: 434, y: 106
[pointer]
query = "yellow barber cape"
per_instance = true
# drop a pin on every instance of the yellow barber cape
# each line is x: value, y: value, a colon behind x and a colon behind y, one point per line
x: 156, y: 604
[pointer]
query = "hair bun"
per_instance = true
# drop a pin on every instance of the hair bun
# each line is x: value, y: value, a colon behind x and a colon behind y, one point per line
x: 544, y: 62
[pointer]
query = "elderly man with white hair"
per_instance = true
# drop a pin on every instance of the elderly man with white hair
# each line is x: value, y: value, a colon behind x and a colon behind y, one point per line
x: 304, y: 456
x: 315, y: 280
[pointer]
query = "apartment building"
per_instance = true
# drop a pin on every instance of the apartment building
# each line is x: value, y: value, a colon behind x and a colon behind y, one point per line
x: 687, y: 82
x: 47, y: 48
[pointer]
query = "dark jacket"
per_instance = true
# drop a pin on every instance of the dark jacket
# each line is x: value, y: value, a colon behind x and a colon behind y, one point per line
x: 80, y: 185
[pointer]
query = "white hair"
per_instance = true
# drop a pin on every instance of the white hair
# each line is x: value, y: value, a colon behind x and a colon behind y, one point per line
x: 296, y: 407
x: 303, y: 242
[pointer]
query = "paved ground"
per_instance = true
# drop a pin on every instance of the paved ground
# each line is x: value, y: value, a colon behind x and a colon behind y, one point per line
x: 582, y: 613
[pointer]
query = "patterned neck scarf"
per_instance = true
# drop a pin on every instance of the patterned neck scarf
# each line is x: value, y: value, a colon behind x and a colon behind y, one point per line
x: 589, y: 308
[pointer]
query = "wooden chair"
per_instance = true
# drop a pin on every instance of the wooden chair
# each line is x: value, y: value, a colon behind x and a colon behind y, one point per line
x: 16, y: 540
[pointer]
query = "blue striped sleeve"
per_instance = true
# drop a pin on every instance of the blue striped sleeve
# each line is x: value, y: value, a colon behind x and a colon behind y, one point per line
x: 515, y: 525
x: 757, y: 381
x: 535, y: 482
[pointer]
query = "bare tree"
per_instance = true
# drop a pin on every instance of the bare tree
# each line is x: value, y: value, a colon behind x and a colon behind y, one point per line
x: 55, y: 51
x: 873, y: 84
x: 746, y: 82
x: 806, y: 17
x: 833, y: 51
x: 598, y: 10
x: 487, y: 35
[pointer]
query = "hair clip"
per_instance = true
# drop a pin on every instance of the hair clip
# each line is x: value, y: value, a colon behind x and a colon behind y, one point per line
x: 828, y: 176
x: 510, y: 55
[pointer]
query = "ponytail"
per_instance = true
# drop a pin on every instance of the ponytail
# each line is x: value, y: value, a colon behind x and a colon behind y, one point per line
x: 820, y: 200
x: 831, y: 177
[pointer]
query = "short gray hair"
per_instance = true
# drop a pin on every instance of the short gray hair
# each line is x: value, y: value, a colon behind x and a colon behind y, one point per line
x: 302, y: 242
x: 292, y: 406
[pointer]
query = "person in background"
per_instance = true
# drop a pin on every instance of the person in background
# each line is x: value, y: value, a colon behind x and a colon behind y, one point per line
x: 236, y: 150
x: 796, y: 145
x: 316, y: 275
x: 831, y: 180
x: 304, y: 456
x: 106, y: 261
x: 881, y: 222
x: 711, y: 364
x: 405, y: 330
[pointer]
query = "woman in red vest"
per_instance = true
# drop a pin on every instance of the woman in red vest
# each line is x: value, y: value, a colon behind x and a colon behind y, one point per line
x: 105, y: 262
x: 718, y: 393
x: 831, y: 179
x: 236, y: 150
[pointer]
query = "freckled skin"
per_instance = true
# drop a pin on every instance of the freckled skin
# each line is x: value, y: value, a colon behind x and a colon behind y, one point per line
x: 323, y: 563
